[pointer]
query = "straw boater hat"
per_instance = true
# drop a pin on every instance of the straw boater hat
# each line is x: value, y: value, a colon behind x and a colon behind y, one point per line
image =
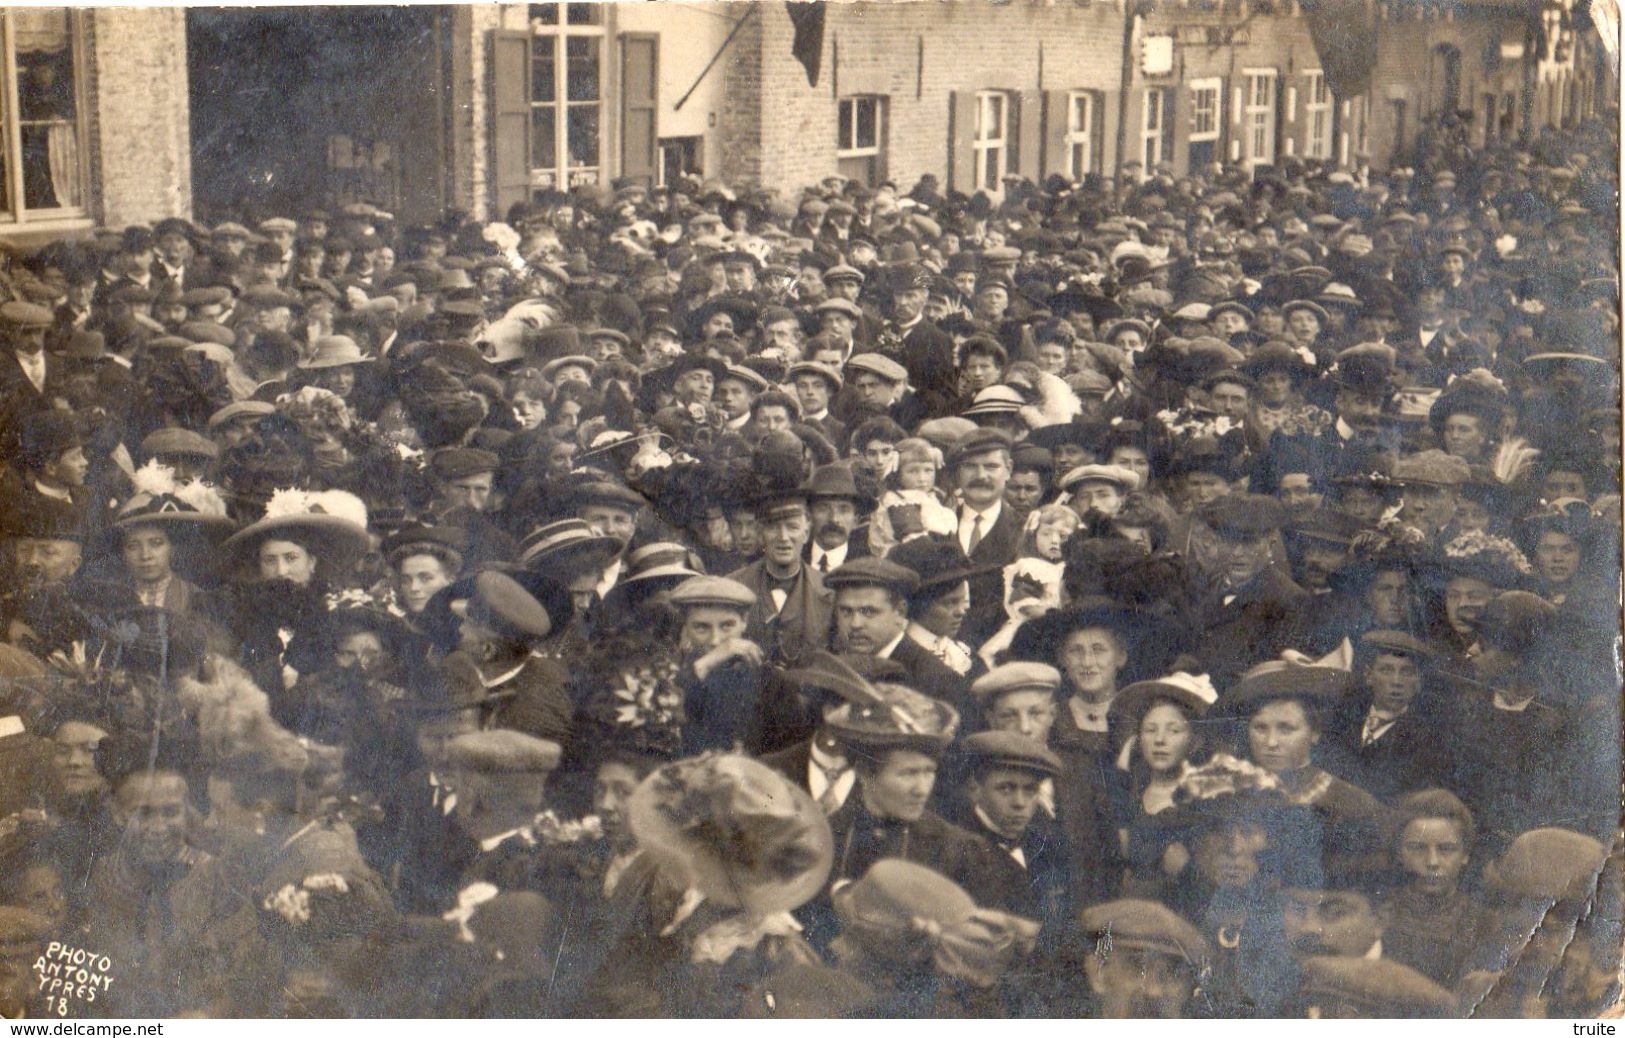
x: 734, y: 829
x: 330, y: 524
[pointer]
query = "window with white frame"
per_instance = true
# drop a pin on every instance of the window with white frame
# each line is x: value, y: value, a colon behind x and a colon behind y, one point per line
x: 1206, y: 121
x: 42, y: 167
x: 1153, y: 127
x: 1258, y: 111
x: 1317, y: 116
x: 860, y: 126
x: 1206, y: 97
x: 566, y: 94
x: 991, y: 145
x: 860, y: 137
x: 1081, y: 107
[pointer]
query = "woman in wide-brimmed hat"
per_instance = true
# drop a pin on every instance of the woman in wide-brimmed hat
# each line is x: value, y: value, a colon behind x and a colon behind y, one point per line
x: 164, y: 530
x: 747, y: 845
x: 1285, y: 707
x: 1163, y: 715
x: 285, y: 563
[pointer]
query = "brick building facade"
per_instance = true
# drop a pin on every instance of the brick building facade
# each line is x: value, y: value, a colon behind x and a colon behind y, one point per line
x: 479, y: 106
x: 95, y: 128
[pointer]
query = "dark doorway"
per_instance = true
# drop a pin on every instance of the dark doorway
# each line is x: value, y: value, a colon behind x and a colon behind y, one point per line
x: 317, y: 107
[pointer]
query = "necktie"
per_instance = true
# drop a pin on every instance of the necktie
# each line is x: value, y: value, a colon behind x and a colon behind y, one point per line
x: 975, y: 532
x: 823, y: 563
x: 830, y: 799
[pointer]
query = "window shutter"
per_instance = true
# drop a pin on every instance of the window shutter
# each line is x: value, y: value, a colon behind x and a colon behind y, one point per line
x: 1056, y: 115
x: 961, y: 135
x: 510, y: 118
x: 1029, y: 106
x: 639, y: 100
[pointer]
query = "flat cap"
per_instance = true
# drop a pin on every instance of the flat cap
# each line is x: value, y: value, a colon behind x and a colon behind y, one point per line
x: 603, y: 492
x: 1015, y: 677
x: 1012, y: 750
x: 1547, y: 865
x: 184, y: 442
x: 241, y: 409
x: 1120, y: 476
x: 278, y: 224
x: 462, y: 462
x: 712, y: 591
x: 1432, y: 468
x: 1244, y: 517
x: 824, y: 371
x: 1397, y: 643
x: 840, y: 306
x: 502, y: 749
x: 217, y: 295
x: 873, y: 572
x: 878, y: 364
x: 1371, y: 988
x: 16, y: 314
x: 842, y: 272
x: 978, y: 441
x: 1132, y: 923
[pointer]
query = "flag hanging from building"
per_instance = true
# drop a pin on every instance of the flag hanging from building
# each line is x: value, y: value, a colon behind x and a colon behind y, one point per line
x: 1345, y: 37
x: 808, y: 46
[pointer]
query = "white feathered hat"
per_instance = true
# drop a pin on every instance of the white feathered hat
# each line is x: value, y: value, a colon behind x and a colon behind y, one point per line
x: 330, y: 524
x: 162, y: 500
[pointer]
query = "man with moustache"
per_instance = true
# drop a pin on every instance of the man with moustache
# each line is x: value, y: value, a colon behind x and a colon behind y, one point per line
x: 833, y: 502
x: 989, y: 531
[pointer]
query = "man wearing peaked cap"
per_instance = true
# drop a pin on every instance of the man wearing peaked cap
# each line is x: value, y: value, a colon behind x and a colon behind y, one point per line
x: 1250, y: 597
x: 730, y: 697
x: 793, y: 608
x: 989, y: 530
x: 29, y: 379
x: 871, y: 619
x: 612, y: 510
x: 1390, y: 742
x: 1019, y: 698
x: 1008, y: 780
x: 465, y: 496
x: 502, y: 623
x: 1146, y: 960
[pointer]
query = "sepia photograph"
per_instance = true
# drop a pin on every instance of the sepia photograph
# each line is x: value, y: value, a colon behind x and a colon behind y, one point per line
x: 893, y: 509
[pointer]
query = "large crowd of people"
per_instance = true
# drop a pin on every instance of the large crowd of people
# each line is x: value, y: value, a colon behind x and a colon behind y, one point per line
x: 1182, y: 596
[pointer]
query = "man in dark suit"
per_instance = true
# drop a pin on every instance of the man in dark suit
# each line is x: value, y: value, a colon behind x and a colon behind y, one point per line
x: 1002, y: 803
x: 1390, y: 746
x: 989, y: 530
x: 29, y: 378
x: 871, y: 619
x: 833, y: 501
x: 1247, y: 614
x: 925, y: 350
x: 792, y: 613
